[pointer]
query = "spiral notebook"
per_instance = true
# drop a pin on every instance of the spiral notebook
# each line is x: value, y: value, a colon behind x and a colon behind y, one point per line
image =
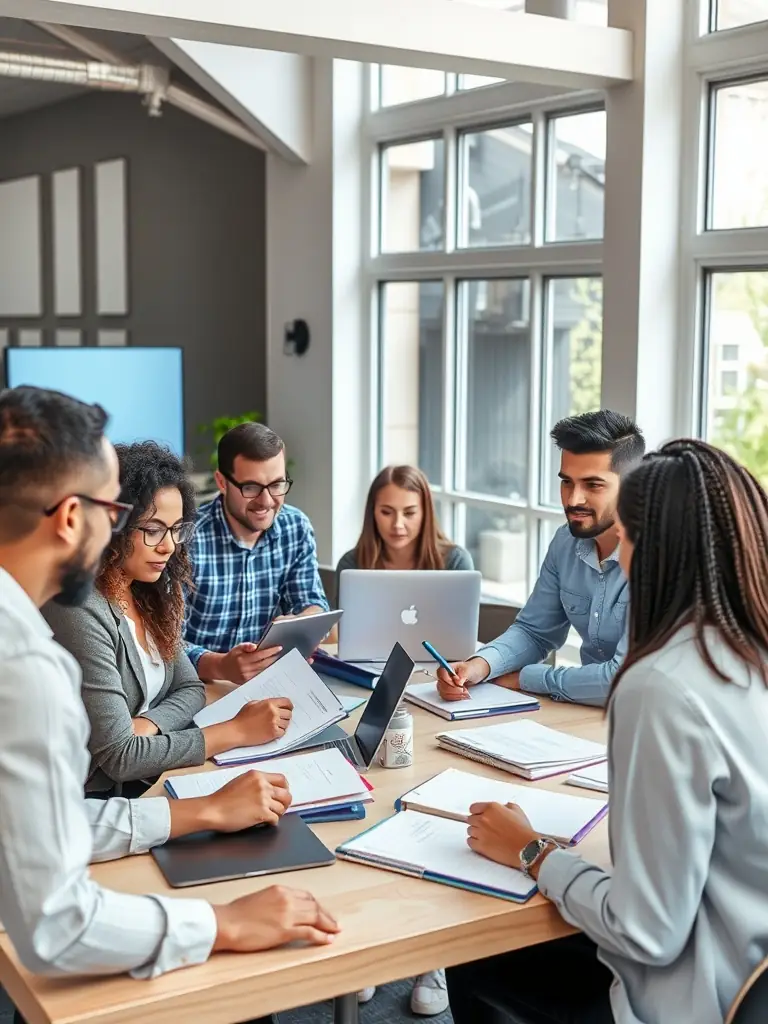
x: 485, y: 700
x: 451, y: 794
x: 524, y: 748
x: 435, y: 849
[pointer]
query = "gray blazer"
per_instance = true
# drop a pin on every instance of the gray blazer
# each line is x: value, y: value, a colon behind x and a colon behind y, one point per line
x: 114, y: 688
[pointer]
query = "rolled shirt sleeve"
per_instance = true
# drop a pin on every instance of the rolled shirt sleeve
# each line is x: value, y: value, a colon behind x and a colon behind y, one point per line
x: 58, y: 918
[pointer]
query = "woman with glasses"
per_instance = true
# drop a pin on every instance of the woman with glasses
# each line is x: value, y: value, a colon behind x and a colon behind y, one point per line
x: 139, y: 687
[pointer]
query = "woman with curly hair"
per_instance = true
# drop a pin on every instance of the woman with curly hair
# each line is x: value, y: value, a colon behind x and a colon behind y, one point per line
x: 140, y: 689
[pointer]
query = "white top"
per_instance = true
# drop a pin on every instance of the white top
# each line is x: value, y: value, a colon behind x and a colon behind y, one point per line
x: 153, y: 666
x: 58, y: 918
x: 681, y: 917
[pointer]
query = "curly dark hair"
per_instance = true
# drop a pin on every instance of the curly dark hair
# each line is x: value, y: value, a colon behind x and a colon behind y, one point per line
x: 145, y: 469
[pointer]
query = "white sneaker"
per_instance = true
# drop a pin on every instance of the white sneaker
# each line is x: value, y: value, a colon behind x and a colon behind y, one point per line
x: 430, y: 994
x: 365, y: 995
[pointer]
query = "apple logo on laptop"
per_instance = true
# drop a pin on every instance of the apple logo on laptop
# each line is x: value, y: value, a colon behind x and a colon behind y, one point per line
x: 409, y: 616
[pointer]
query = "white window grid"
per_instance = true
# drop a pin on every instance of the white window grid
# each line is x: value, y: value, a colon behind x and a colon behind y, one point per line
x: 451, y: 115
x: 711, y: 59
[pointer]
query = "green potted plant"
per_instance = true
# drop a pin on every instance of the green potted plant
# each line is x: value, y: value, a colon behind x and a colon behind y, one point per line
x: 217, y: 428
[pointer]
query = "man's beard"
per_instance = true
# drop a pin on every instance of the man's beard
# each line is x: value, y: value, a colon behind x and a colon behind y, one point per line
x: 243, y: 519
x: 588, y: 529
x: 77, y: 579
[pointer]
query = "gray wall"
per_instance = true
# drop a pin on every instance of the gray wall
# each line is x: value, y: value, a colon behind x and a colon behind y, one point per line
x: 196, y: 239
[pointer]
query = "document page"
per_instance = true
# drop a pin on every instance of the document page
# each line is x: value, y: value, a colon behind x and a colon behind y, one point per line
x: 314, y: 779
x: 529, y: 744
x: 439, y: 845
x: 452, y: 793
x: 314, y: 706
x: 593, y: 777
x: 485, y: 696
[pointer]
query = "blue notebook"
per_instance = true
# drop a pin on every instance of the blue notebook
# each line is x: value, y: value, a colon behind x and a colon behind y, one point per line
x: 435, y: 849
x: 485, y: 701
x: 327, y: 664
x: 352, y: 812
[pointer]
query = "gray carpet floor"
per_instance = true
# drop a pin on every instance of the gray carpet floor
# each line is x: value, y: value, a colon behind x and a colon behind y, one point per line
x: 390, y: 1005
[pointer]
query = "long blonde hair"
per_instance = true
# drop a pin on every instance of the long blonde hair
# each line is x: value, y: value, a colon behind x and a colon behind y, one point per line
x: 432, y: 544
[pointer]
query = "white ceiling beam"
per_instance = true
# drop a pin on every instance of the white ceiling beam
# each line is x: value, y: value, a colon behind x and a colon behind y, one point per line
x: 450, y: 36
x: 266, y: 90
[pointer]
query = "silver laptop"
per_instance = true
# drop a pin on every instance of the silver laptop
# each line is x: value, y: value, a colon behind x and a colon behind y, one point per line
x: 384, y: 607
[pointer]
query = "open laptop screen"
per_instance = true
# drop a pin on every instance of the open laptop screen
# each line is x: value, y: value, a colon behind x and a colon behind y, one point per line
x: 383, y: 703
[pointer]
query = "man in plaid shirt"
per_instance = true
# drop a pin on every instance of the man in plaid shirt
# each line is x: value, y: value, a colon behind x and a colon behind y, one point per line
x: 253, y: 558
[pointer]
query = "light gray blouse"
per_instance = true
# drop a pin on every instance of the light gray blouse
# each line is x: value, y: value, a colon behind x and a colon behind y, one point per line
x: 682, y: 918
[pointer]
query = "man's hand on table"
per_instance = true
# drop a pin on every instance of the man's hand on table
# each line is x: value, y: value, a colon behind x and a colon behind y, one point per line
x: 468, y: 673
x: 253, y: 798
x: 273, y: 917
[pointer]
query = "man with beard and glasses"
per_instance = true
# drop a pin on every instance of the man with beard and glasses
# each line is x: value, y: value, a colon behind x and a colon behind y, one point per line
x: 58, y: 508
x: 253, y: 559
x: 580, y: 583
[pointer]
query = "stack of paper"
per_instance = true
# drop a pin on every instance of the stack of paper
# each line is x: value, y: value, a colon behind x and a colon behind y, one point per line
x: 451, y: 793
x: 524, y: 748
x: 436, y: 849
x: 314, y: 708
x: 595, y: 778
x: 485, y: 699
x: 319, y: 781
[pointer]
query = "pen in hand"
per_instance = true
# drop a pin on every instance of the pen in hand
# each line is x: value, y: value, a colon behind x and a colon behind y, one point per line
x: 434, y: 653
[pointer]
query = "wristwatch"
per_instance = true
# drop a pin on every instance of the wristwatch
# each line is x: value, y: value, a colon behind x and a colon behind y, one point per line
x: 532, y: 852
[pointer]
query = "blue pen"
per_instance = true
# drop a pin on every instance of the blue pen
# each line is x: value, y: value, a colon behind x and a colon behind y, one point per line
x: 440, y: 660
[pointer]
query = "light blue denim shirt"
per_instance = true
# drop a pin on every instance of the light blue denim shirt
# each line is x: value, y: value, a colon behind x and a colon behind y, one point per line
x: 682, y: 917
x: 573, y: 589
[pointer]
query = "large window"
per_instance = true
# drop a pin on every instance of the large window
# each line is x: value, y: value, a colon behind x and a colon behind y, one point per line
x: 736, y: 399
x: 726, y: 235
x: 489, y: 295
x: 738, y: 185
x: 725, y: 14
x: 411, y: 400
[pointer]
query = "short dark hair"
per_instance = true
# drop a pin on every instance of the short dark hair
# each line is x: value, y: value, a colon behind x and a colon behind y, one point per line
x: 602, y: 431
x: 254, y: 441
x: 45, y: 438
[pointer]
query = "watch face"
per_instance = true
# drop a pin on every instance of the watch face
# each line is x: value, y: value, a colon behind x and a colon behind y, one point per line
x: 530, y: 852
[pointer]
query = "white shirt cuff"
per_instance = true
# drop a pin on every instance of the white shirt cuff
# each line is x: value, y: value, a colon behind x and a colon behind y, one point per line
x: 150, y: 823
x: 189, y: 936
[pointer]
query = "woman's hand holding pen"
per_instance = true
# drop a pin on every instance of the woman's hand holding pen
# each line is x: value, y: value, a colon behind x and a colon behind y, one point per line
x: 455, y: 685
x: 261, y: 721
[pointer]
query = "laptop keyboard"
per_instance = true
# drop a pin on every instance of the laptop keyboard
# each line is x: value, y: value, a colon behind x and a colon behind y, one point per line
x: 344, y: 746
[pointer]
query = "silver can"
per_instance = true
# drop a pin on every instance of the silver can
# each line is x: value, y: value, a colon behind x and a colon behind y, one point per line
x: 397, y: 745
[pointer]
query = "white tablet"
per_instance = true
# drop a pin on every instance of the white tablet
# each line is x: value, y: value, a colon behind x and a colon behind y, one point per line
x: 304, y: 632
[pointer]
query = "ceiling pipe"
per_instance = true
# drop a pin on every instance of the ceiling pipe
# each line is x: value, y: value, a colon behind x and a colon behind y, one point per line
x: 176, y: 95
x: 145, y: 79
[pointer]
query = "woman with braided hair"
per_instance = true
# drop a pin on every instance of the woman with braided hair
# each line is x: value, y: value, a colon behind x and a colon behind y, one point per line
x: 676, y: 927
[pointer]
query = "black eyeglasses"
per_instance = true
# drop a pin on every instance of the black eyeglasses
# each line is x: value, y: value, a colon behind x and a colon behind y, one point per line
x: 154, y: 535
x: 253, y: 490
x: 118, y: 511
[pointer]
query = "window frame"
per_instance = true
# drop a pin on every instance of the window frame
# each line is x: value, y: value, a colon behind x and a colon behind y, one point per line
x: 455, y: 115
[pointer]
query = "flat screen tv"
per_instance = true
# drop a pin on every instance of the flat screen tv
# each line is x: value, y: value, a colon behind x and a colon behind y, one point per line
x: 142, y: 389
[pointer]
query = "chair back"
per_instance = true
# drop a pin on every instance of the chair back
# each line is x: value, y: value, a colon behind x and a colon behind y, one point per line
x: 751, y: 1004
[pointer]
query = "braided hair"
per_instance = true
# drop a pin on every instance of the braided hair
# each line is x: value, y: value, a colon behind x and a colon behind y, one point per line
x: 698, y: 522
x: 145, y: 469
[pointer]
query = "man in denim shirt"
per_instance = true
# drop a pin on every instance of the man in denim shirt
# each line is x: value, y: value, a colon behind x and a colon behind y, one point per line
x: 580, y: 583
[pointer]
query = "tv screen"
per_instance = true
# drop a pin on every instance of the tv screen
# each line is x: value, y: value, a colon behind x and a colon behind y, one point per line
x: 141, y: 388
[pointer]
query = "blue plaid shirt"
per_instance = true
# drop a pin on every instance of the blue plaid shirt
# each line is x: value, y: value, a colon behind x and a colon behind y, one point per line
x: 237, y: 588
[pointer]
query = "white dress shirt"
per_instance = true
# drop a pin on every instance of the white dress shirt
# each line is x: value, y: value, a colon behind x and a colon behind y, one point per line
x: 58, y: 918
x: 152, y: 664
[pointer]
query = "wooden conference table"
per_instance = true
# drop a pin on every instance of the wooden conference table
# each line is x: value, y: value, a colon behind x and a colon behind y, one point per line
x: 393, y: 926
